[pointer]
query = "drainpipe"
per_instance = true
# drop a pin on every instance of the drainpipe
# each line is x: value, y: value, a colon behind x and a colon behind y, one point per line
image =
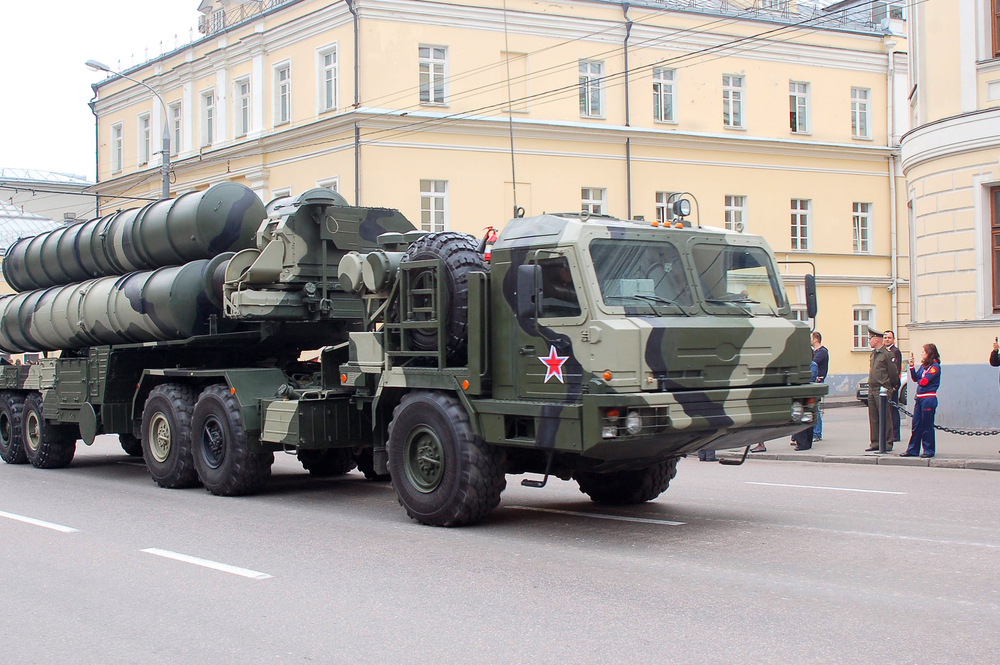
x: 628, y: 140
x: 891, y: 141
x: 357, y: 103
x: 97, y: 149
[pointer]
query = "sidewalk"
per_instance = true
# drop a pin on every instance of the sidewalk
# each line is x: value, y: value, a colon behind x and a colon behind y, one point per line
x: 845, y: 437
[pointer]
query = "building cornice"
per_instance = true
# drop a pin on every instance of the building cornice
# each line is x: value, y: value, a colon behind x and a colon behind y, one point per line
x: 957, y: 135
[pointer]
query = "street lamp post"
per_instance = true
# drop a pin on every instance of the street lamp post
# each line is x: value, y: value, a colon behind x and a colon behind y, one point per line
x: 165, y: 162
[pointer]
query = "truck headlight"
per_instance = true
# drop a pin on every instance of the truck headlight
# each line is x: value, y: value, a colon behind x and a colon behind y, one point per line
x: 609, y: 431
x: 796, y: 411
x: 807, y: 417
x: 633, y: 422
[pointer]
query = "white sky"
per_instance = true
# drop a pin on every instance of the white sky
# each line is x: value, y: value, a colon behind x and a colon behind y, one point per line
x: 45, y: 87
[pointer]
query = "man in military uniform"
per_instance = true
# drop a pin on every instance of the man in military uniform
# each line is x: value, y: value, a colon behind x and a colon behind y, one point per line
x: 882, y: 373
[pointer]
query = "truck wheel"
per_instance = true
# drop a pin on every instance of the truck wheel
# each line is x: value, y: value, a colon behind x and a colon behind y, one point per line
x: 459, y: 253
x: 328, y: 462
x: 46, y: 445
x: 366, y: 465
x: 443, y: 474
x: 224, y: 464
x: 628, y: 487
x: 166, y: 435
x: 131, y: 444
x: 11, y: 434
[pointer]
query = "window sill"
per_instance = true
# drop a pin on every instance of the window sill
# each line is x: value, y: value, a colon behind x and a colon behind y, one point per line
x: 665, y: 122
x: 443, y: 105
x: 737, y: 129
x: 800, y: 133
x: 332, y: 109
x: 593, y: 117
x: 282, y: 124
x: 862, y: 138
x: 861, y: 350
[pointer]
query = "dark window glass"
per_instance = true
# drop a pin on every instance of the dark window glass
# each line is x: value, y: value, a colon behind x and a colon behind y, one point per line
x: 559, y: 299
x: 640, y: 274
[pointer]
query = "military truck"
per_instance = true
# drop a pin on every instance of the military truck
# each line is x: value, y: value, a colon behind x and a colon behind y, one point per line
x: 586, y: 347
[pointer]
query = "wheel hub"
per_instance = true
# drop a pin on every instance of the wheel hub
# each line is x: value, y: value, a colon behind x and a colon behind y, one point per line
x: 32, y: 431
x: 4, y: 430
x: 159, y: 437
x: 423, y: 459
x: 213, y: 442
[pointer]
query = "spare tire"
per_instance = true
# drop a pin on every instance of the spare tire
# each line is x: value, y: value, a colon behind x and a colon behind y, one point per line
x: 460, y: 255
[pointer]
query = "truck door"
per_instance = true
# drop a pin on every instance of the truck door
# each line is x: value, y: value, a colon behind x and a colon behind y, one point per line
x: 547, y: 365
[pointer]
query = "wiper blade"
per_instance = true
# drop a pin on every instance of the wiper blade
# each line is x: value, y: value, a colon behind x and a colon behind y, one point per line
x: 660, y: 299
x: 734, y: 303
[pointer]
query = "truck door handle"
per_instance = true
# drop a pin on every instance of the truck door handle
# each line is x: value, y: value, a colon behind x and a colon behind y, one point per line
x: 527, y: 350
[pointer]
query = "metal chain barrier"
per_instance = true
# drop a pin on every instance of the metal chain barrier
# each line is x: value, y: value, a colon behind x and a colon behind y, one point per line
x: 951, y: 430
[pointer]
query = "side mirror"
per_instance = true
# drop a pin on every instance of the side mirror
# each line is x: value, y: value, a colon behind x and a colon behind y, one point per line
x: 529, y: 281
x: 811, y: 296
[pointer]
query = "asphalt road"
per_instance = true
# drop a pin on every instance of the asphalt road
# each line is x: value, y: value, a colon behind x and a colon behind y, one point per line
x: 772, y: 562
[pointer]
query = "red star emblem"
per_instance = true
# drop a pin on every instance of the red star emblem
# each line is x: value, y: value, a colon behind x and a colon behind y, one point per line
x: 553, y: 365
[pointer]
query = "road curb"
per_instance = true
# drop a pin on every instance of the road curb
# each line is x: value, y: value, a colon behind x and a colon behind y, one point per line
x: 884, y: 460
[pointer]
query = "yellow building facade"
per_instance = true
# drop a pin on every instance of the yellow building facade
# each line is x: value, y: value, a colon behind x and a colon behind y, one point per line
x: 951, y: 159
x: 780, y: 121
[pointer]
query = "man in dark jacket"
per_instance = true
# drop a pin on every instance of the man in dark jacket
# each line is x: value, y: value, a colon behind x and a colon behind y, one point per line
x: 897, y: 356
x: 995, y: 356
x: 883, y: 373
x: 821, y: 356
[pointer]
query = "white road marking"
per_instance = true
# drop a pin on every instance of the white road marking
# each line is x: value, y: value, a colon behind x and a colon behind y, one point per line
x: 30, y: 520
x: 205, y: 563
x: 820, y: 487
x: 620, y: 518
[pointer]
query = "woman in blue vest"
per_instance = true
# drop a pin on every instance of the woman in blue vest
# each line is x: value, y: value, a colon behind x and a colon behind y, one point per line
x: 926, y: 379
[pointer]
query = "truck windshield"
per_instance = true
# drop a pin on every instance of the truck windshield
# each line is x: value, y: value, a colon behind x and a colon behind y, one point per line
x: 633, y: 272
x: 737, y: 277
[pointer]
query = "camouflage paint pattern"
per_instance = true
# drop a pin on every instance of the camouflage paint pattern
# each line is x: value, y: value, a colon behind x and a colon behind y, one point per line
x: 170, y: 232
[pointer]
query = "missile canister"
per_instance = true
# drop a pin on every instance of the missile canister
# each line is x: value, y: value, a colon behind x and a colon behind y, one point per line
x: 168, y: 303
x: 169, y: 232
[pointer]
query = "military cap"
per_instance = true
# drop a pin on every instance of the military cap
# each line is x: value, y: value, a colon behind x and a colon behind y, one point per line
x: 874, y: 333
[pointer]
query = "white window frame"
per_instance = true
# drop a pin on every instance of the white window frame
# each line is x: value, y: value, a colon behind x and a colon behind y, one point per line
x: 664, y: 95
x: 176, y: 126
x: 282, y: 93
x: 862, y: 223
x: 432, y: 74
x: 735, y: 212
x: 327, y: 73
x: 594, y: 200
x: 117, y: 147
x: 278, y: 192
x: 861, y: 113
x: 217, y: 21
x: 734, y: 101
x: 859, y: 329
x: 591, y: 88
x: 144, y: 139
x: 664, y: 202
x: 208, y: 108
x: 332, y: 182
x: 798, y: 107
x: 242, y: 107
x: 801, y: 313
x: 434, y: 201
x: 882, y: 10
x: 801, y: 237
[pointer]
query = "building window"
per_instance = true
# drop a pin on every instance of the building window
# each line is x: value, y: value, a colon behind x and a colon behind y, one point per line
x: 433, y: 72
x: 736, y: 213
x: 663, y: 95
x: 859, y: 113
x: 800, y: 224
x: 144, y: 137
x: 591, y: 89
x: 864, y: 318
x: 207, y: 118
x: 117, y: 148
x: 328, y: 81
x: 175, y: 126
x: 330, y: 183
x: 995, y: 245
x: 664, y: 200
x: 732, y: 101
x: 891, y: 9
x: 594, y: 200
x: 800, y: 313
x: 282, y: 94
x: 218, y: 21
x: 863, y: 228
x: 241, y: 109
x: 798, y: 107
x: 433, y: 205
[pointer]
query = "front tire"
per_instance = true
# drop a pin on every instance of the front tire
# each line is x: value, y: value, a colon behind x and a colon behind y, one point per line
x: 11, y: 428
x: 366, y: 465
x: 628, y: 487
x: 443, y: 474
x: 46, y: 445
x: 224, y: 464
x: 166, y: 436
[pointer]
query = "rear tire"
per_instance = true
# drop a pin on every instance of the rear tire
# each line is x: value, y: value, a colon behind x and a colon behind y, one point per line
x: 328, y: 462
x: 11, y: 428
x: 47, y: 445
x: 224, y: 464
x: 131, y: 444
x: 628, y: 487
x: 443, y: 474
x: 166, y: 436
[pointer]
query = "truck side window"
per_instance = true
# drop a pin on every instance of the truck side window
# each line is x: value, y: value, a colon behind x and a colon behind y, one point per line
x: 559, y: 299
